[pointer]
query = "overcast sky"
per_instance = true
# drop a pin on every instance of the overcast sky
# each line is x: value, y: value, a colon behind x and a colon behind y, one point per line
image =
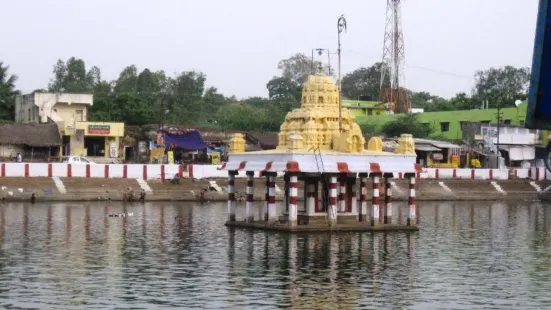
x: 238, y: 43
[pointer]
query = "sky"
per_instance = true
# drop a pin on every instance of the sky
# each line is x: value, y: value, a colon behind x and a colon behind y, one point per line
x: 239, y: 43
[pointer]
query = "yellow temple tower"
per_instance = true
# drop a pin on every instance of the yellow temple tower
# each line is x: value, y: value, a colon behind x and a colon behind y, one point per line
x: 317, y: 122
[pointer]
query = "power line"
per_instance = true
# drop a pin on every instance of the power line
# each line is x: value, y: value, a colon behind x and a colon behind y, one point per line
x: 418, y: 67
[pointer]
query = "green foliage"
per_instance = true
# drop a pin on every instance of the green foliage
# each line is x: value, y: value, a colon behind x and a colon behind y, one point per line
x: 139, y: 97
x: 408, y: 123
x: 502, y: 85
x: 364, y: 81
x: 7, y: 93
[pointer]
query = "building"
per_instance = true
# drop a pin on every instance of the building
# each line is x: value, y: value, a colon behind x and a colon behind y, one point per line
x: 360, y: 107
x: 70, y: 113
x: 517, y: 145
x: 33, y: 141
x: 447, y: 124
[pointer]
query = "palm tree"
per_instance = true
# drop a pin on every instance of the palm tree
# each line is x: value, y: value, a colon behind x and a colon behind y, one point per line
x: 7, y: 93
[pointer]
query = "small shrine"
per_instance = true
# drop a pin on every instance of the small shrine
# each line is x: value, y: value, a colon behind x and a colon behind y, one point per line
x: 324, y: 148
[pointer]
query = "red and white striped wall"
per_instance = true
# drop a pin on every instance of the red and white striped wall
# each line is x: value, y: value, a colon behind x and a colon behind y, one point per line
x: 151, y: 172
x: 134, y: 171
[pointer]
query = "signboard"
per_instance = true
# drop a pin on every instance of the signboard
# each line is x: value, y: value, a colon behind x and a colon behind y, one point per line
x: 437, y: 156
x: 215, y: 158
x: 156, y: 156
x: 99, y: 129
x: 170, y: 155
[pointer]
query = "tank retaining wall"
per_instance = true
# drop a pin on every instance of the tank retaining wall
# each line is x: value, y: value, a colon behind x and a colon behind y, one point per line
x: 100, y: 189
x: 161, y: 172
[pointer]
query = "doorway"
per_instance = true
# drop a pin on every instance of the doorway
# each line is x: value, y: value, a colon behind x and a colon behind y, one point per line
x: 95, y: 146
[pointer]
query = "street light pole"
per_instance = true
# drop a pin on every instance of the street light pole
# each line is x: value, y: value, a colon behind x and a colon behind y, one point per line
x: 341, y: 26
x: 498, y: 127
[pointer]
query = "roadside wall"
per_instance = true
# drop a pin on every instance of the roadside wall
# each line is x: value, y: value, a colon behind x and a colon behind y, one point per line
x: 154, y: 172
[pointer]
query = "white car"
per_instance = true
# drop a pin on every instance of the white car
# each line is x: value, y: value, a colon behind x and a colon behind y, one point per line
x: 77, y: 160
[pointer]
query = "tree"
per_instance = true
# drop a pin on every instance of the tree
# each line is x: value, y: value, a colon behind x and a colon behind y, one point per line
x: 7, y: 93
x: 407, y: 123
x: 127, y: 81
x: 364, y: 81
x: 284, y: 89
x: 506, y: 85
x: 239, y: 116
x: 72, y: 77
x: 185, y: 98
x: 298, y: 67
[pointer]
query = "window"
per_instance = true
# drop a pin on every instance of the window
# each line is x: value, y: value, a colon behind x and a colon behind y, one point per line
x: 369, y: 111
x: 79, y: 115
x: 522, y: 123
x: 29, y: 111
x: 507, y: 122
x: 485, y: 122
x: 320, y: 99
x: 445, y: 126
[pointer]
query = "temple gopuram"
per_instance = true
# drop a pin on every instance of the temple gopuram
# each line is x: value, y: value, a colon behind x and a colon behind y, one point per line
x: 324, y: 149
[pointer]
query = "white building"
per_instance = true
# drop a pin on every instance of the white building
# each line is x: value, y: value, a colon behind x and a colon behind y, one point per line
x: 63, y: 109
x: 519, y: 143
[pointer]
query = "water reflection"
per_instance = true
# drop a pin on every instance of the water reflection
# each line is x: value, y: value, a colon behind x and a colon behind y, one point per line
x: 466, y: 255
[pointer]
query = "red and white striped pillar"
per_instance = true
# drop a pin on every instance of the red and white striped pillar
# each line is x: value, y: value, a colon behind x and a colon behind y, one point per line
x: 267, y: 196
x: 311, y: 197
x: 363, y: 198
x: 231, y: 195
x: 375, y: 200
x: 249, y: 215
x: 388, y: 201
x: 293, y: 206
x: 342, y: 193
x: 412, y: 214
x: 353, y: 208
x: 332, y: 207
x: 271, y: 199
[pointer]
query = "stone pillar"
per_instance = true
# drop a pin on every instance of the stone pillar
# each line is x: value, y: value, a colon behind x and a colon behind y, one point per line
x: 342, y: 193
x: 362, y: 217
x: 412, y: 215
x: 231, y: 195
x: 266, y: 196
x: 249, y: 215
x: 332, y: 205
x: 293, y: 206
x: 354, y: 198
x: 272, y: 216
x: 375, y: 201
x: 311, y: 197
x: 286, y: 191
x: 388, y: 200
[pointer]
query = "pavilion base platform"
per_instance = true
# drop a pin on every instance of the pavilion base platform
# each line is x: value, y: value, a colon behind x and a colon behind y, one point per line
x: 347, y: 227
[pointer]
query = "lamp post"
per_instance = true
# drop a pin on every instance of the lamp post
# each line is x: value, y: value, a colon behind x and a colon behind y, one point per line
x: 341, y: 26
x: 498, y: 127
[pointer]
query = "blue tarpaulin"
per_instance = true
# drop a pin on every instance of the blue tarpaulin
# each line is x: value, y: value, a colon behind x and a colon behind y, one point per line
x: 190, y: 140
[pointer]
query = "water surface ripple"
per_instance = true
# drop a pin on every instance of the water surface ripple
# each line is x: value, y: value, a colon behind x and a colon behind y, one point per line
x: 466, y: 256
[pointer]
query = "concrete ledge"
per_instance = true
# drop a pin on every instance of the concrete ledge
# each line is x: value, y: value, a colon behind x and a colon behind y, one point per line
x: 359, y: 227
x: 83, y: 189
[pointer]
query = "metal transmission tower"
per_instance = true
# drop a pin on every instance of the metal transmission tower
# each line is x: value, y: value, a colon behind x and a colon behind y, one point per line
x: 392, y: 87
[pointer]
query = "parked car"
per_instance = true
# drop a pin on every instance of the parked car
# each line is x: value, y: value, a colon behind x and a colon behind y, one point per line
x: 77, y: 160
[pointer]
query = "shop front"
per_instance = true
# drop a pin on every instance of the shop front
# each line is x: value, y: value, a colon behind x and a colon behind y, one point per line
x: 97, y: 139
